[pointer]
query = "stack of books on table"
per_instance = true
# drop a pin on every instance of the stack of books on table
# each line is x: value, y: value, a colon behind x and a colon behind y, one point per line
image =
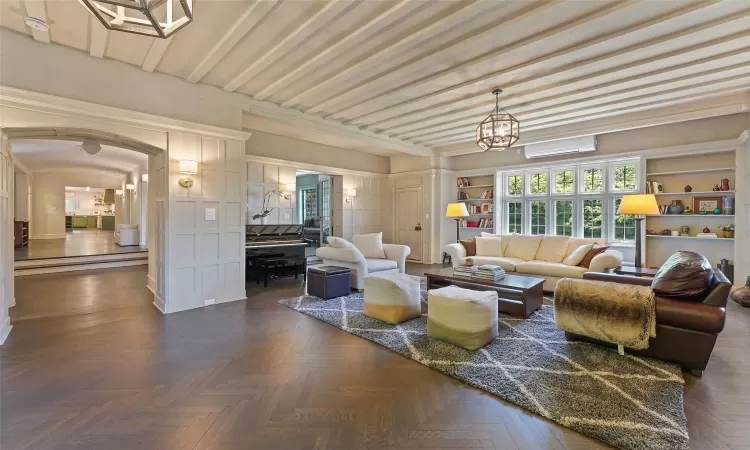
x: 464, y: 271
x: 489, y: 272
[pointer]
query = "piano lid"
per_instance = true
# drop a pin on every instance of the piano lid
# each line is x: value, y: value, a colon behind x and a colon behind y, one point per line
x: 273, y: 230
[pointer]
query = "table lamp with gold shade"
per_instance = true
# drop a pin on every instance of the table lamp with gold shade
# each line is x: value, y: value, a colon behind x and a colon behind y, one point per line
x: 456, y: 211
x: 638, y: 205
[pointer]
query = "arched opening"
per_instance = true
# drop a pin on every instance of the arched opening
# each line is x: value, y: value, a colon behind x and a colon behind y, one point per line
x: 136, y: 204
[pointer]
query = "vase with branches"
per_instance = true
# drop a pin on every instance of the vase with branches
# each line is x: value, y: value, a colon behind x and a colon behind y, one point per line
x: 265, y: 210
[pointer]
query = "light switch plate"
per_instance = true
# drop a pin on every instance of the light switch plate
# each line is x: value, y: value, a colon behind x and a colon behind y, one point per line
x: 287, y: 216
x: 210, y: 213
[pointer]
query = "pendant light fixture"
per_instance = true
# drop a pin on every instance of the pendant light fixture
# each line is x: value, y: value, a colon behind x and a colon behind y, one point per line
x: 499, y: 130
x: 156, y: 18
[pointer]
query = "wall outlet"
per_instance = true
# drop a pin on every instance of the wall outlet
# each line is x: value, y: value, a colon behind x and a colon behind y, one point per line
x: 210, y: 301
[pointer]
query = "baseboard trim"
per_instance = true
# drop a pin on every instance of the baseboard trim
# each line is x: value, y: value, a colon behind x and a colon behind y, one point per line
x: 47, y: 236
x: 78, y: 267
x: 5, y: 330
x: 79, y: 260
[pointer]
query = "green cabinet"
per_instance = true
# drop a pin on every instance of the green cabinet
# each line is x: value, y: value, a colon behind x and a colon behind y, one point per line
x: 108, y: 222
x: 90, y: 221
x: 80, y: 222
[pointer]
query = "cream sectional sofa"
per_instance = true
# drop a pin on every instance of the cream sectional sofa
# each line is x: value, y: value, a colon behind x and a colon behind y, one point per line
x: 540, y: 256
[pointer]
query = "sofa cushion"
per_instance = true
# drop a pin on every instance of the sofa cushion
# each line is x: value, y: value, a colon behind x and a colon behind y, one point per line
x: 371, y: 245
x: 578, y: 254
x: 504, y: 237
x: 378, y: 265
x: 550, y: 269
x: 575, y: 242
x: 470, y: 246
x: 508, y: 264
x: 523, y: 246
x: 595, y: 250
x: 684, y: 274
x: 489, y: 246
x: 552, y: 249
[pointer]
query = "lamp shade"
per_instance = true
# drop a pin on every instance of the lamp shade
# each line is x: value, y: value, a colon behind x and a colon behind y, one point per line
x: 118, y: 191
x: 638, y: 204
x: 189, y: 167
x: 129, y: 187
x: 351, y: 192
x: 456, y: 210
x: 144, y: 177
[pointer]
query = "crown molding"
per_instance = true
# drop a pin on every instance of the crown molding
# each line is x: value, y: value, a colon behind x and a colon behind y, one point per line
x: 702, y: 109
x: 323, y: 170
x: 298, y: 119
x: 90, y: 170
x: 52, y: 104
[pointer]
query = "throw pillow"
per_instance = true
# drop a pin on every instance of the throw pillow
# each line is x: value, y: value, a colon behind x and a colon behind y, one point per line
x: 337, y: 242
x: 578, y: 254
x: 370, y: 245
x: 595, y: 250
x: 470, y: 246
x: 489, y: 246
x: 685, y: 274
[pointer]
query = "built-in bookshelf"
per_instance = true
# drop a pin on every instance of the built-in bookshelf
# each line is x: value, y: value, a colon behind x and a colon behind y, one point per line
x: 692, y: 181
x: 478, y: 192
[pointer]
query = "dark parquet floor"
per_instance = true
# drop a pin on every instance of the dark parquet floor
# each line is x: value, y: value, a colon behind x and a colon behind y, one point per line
x: 106, y: 371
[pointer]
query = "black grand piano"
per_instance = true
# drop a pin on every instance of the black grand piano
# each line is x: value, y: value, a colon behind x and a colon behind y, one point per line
x: 273, y: 251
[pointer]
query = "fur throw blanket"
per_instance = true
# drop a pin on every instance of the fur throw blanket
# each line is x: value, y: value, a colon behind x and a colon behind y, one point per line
x: 617, y: 313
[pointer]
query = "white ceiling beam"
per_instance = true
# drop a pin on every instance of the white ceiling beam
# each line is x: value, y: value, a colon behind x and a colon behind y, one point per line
x: 241, y: 27
x: 575, y: 66
x: 413, y: 38
x: 37, y: 9
x: 454, y: 123
x: 155, y: 53
x: 309, y: 26
x: 98, y: 38
x: 432, y: 78
x: 373, y: 24
x: 586, y: 120
x: 494, y: 54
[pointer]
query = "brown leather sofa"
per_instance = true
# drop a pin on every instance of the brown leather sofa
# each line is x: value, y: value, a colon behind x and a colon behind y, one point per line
x: 686, y: 330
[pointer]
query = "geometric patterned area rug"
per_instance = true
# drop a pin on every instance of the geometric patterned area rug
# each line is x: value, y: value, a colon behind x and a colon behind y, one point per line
x: 628, y: 402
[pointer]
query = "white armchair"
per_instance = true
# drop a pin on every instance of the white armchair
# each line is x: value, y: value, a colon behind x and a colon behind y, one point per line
x: 126, y: 235
x: 351, y: 257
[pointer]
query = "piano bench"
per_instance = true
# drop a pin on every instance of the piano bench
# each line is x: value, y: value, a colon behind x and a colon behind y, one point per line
x: 329, y: 281
x: 276, y: 267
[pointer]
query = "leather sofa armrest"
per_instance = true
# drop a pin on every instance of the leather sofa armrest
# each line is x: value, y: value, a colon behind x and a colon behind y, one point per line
x: 614, y: 278
x: 398, y: 253
x: 457, y: 252
x: 609, y: 259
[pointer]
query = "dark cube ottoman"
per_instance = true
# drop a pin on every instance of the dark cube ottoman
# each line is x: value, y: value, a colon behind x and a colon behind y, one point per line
x: 329, y: 281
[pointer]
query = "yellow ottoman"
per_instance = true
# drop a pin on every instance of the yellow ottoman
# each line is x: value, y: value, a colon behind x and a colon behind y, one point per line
x: 392, y: 297
x: 462, y: 317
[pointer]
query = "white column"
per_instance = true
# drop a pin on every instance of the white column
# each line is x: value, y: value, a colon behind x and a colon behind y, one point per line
x: 6, y: 235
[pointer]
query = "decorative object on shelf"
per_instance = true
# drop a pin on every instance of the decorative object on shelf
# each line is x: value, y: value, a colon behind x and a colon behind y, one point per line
x: 456, y: 211
x: 688, y: 188
x: 727, y: 231
x: 486, y: 208
x: 152, y: 18
x: 463, y: 182
x: 499, y: 130
x: 742, y: 295
x: 675, y: 233
x: 687, y: 211
x: 676, y: 207
x: 265, y: 210
x: 188, y: 168
x: 716, y: 187
x: 725, y: 184
x: 684, y: 230
x: 717, y: 211
x: 706, y: 230
x: 707, y: 205
x: 657, y: 187
x: 638, y: 205
x: 728, y: 204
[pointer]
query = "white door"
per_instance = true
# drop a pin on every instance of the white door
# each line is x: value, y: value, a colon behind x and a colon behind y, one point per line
x: 408, y: 214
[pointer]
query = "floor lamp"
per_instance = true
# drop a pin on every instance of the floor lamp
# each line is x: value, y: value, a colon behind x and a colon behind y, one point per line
x: 638, y: 205
x: 456, y: 211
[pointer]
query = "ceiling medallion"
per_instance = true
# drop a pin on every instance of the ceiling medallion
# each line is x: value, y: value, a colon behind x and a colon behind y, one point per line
x: 499, y: 130
x: 155, y: 18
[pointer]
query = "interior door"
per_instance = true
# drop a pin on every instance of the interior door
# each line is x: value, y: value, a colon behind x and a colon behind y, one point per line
x: 324, y: 187
x: 408, y: 217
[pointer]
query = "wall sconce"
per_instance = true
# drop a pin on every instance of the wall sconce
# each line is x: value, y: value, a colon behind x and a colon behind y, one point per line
x: 350, y: 193
x: 118, y: 191
x: 129, y: 187
x: 286, y: 190
x: 188, y: 168
x: 144, y: 177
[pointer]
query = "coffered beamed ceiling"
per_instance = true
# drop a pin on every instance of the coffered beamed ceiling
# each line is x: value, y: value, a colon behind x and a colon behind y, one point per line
x: 419, y: 73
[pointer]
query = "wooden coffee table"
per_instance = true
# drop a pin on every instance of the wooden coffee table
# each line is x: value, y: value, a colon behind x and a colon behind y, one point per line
x: 518, y: 295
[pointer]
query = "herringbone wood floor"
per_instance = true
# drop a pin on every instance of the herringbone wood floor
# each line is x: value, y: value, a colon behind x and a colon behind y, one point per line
x: 90, y: 364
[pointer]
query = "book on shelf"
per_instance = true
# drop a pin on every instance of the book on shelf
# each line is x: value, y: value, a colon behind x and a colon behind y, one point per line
x: 463, y: 182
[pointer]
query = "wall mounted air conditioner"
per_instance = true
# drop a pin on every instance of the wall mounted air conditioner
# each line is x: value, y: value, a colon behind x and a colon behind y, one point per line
x: 561, y: 147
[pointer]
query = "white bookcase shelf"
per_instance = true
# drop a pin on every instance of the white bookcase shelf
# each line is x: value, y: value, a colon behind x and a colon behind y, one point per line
x: 688, y: 172
x: 689, y: 237
x: 477, y: 185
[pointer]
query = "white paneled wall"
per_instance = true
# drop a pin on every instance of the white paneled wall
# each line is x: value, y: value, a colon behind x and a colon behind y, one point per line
x: 263, y: 178
x: 206, y: 222
x: 363, y: 213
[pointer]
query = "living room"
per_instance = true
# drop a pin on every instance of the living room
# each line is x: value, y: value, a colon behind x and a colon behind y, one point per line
x: 578, y: 150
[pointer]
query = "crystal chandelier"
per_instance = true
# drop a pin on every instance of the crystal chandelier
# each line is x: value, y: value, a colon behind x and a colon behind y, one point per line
x: 156, y: 18
x: 499, y: 130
